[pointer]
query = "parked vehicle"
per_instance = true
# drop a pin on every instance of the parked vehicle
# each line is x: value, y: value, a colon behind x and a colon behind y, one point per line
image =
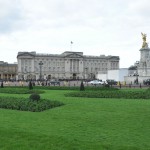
x: 96, y: 82
x: 111, y: 82
x: 146, y: 82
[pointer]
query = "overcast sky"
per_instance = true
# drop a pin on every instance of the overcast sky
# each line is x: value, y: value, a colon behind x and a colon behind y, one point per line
x: 96, y: 27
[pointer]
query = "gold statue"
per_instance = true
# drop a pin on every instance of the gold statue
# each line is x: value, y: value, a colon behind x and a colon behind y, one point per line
x: 145, y: 45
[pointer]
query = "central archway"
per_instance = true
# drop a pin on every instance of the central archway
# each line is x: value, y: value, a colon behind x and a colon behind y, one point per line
x: 74, y: 76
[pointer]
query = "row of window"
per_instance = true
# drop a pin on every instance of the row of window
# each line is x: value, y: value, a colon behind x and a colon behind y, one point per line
x: 45, y: 69
x: 48, y: 61
x: 59, y: 64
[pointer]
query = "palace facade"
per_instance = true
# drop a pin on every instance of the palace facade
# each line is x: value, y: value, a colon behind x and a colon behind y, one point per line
x: 8, y: 71
x: 68, y: 65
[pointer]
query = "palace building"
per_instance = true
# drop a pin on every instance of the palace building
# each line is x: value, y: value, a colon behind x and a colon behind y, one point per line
x: 8, y: 71
x: 68, y: 65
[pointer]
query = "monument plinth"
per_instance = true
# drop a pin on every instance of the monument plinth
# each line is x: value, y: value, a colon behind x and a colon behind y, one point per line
x: 144, y: 64
x: 142, y: 71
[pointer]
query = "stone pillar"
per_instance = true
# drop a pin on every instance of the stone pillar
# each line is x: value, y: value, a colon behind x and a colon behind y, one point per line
x: 32, y: 65
x: 67, y: 65
x: 81, y: 66
x: 19, y: 65
x: 81, y: 71
x: 78, y: 65
x: 72, y: 65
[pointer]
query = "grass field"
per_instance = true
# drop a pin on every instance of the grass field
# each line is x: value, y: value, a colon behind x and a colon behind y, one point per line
x: 81, y: 124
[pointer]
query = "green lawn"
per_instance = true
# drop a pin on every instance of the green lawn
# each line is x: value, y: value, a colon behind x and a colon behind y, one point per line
x: 80, y: 124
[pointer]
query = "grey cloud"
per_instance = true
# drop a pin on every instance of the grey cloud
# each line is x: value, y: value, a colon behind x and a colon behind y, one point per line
x: 65, y: 13
x: 9, y: 15
x: 54, y: 13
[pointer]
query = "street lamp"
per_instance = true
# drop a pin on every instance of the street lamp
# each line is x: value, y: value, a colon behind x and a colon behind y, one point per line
x: 40, y: 64
x: 137, y: 81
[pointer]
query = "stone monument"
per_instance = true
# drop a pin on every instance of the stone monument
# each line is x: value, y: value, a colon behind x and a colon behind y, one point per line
x: 143, y: 67
x: 145, y: 45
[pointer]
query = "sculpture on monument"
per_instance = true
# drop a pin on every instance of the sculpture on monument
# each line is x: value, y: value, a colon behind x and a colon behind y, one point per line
x: 144, y: 45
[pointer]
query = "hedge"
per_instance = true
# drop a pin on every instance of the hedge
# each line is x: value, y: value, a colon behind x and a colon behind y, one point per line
x: 15, y: 90
x: 25, y: 104
x: 111, y: 94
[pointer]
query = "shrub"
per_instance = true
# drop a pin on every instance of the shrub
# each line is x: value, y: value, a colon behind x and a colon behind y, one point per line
x: 30, y: 85
x: 106, y: 85
x: 82, y: 86
x: 2, y: 85
x: 20, y: 90
x: 112, y: 94
x: 34, y: 97
x: 27, y: 105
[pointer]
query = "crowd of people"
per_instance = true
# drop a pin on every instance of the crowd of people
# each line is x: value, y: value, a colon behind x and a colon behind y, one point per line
x: 42, y: 83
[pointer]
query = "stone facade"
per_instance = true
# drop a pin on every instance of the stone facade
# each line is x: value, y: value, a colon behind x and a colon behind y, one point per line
x: 68, y: 65
x: 8, y: 71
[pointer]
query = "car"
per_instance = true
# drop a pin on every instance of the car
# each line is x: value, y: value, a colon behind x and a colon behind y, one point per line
x: 146, y: 82
x: 111, y: 82
x: 96, y: 82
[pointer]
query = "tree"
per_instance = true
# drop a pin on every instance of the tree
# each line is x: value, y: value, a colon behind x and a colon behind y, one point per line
x: 30, y: 85
x: 120, y: 85
x: 132, y: 68
x: 2, y: 85
x: 82, y: 86
x: 34, y: 97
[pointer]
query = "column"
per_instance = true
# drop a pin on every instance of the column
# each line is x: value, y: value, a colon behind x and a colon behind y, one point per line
x: 78, y: 65
x: 2, y: 76
x: 71, y: 68
x: 32, y: 65
x: 72, y: 65
x: 19, y: 65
